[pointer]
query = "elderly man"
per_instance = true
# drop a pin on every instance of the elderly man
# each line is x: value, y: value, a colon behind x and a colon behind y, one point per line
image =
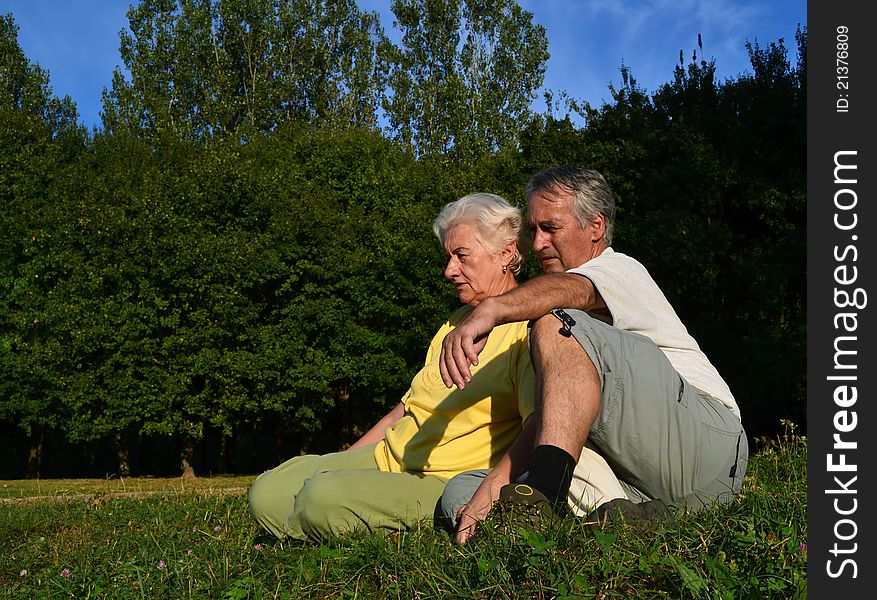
x: 623, y: 391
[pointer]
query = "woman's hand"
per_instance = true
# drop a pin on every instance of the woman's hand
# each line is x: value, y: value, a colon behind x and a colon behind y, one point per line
x: 508, y: 469
x: 476, y: 510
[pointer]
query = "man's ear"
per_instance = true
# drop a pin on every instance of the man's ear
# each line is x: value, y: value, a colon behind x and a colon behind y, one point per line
x: 597, y: 227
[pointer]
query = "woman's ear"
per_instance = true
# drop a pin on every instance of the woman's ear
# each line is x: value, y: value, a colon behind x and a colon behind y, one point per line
x: 507, y: 255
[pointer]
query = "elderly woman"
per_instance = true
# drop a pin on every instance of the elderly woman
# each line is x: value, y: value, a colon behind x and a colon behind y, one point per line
x: 394, y: 475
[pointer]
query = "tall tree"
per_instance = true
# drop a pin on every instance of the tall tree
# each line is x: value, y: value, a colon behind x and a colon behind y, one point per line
x: 215, y: 67
x: 718, y: 168
x: 464, y: 74
x: 24, y: 86
x: 327, y: 58
x: 39, y: 139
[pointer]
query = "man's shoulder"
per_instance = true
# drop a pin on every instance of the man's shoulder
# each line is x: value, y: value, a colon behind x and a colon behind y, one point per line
x: 609, y: 258
x: 617, y: 271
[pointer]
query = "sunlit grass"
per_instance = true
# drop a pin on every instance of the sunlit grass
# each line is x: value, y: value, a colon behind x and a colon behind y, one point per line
x: 67, y: 488
x: 182, y: 539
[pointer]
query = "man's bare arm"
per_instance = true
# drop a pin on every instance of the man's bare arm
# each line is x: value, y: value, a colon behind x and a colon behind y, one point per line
x: 530, y: 300
x: 539, y: 296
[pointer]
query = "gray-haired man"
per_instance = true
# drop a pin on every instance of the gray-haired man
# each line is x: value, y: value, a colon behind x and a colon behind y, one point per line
x: 628, y: 407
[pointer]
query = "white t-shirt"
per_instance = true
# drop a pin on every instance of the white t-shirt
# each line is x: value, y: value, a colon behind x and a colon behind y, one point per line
x: 637, y: 304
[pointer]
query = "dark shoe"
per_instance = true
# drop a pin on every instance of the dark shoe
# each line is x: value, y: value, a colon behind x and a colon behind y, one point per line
x: 622, y: 509
x: 521, y: 493
x: 525, y: 506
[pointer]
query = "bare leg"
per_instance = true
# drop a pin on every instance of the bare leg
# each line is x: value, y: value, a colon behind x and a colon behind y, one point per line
x: 567, y: 388
x: 567, y: 402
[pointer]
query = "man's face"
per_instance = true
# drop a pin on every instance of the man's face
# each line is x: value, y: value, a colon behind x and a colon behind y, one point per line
x: 558, y: 241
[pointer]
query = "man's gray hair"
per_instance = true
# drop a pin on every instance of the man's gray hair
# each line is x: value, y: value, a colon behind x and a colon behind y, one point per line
x: 496, y: 221
x: 591, y: 193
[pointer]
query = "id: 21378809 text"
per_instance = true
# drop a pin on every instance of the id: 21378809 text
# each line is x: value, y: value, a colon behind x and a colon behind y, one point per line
x: 842, y: 39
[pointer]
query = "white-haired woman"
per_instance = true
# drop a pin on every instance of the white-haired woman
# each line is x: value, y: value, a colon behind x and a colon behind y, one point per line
x: 394, y: 475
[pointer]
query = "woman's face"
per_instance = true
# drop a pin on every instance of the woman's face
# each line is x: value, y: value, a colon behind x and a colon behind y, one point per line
x: 475, y: 273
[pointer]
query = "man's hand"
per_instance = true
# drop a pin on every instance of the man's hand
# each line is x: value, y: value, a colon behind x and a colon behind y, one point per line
x: 461, y: 346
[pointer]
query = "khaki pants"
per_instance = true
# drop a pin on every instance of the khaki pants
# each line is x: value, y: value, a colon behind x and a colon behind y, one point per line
x: 656, y: 435
x: 660, y: 435
x: 318, y: 497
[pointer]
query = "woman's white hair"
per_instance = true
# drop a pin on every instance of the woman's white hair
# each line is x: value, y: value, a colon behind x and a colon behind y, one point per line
x: 496, y: 221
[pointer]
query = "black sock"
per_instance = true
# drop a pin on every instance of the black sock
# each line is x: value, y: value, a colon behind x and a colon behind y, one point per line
x: 551, y: 473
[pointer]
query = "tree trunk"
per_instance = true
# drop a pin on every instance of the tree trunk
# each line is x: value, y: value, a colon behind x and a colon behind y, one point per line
x: 186, y: 454
x: 280, y: 435
x: 90, y: 460
x: 35, y: 454
x: 226, y: 444
x: 123, y: 455
x: 344, y: 426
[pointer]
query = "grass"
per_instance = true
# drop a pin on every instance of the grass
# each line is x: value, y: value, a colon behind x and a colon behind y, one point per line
x: 152, y: 538
x: 28, y: 490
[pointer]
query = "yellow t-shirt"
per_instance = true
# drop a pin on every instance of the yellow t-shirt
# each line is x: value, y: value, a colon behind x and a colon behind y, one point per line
x: 446, y: 431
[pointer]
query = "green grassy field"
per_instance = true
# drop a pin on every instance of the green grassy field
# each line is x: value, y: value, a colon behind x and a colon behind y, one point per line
x: 169, y: 538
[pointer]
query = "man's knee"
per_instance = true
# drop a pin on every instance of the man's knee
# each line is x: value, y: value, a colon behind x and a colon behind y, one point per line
x: 556, y: 351
x: 550, y: 338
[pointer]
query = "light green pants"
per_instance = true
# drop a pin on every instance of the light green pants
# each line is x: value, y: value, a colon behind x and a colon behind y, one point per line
x: 318, y: 497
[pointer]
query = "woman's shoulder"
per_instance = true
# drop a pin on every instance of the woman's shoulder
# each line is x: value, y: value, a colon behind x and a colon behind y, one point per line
x: 459, y: 314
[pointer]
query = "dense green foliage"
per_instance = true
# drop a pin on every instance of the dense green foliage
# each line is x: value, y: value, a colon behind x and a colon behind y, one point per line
x: 465, y: 74
x: 242, y: 251
x: 176, y: 544
x: 216, y: 67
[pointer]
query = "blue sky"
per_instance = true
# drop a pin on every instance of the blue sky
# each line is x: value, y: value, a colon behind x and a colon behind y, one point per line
x: 77, y: 42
